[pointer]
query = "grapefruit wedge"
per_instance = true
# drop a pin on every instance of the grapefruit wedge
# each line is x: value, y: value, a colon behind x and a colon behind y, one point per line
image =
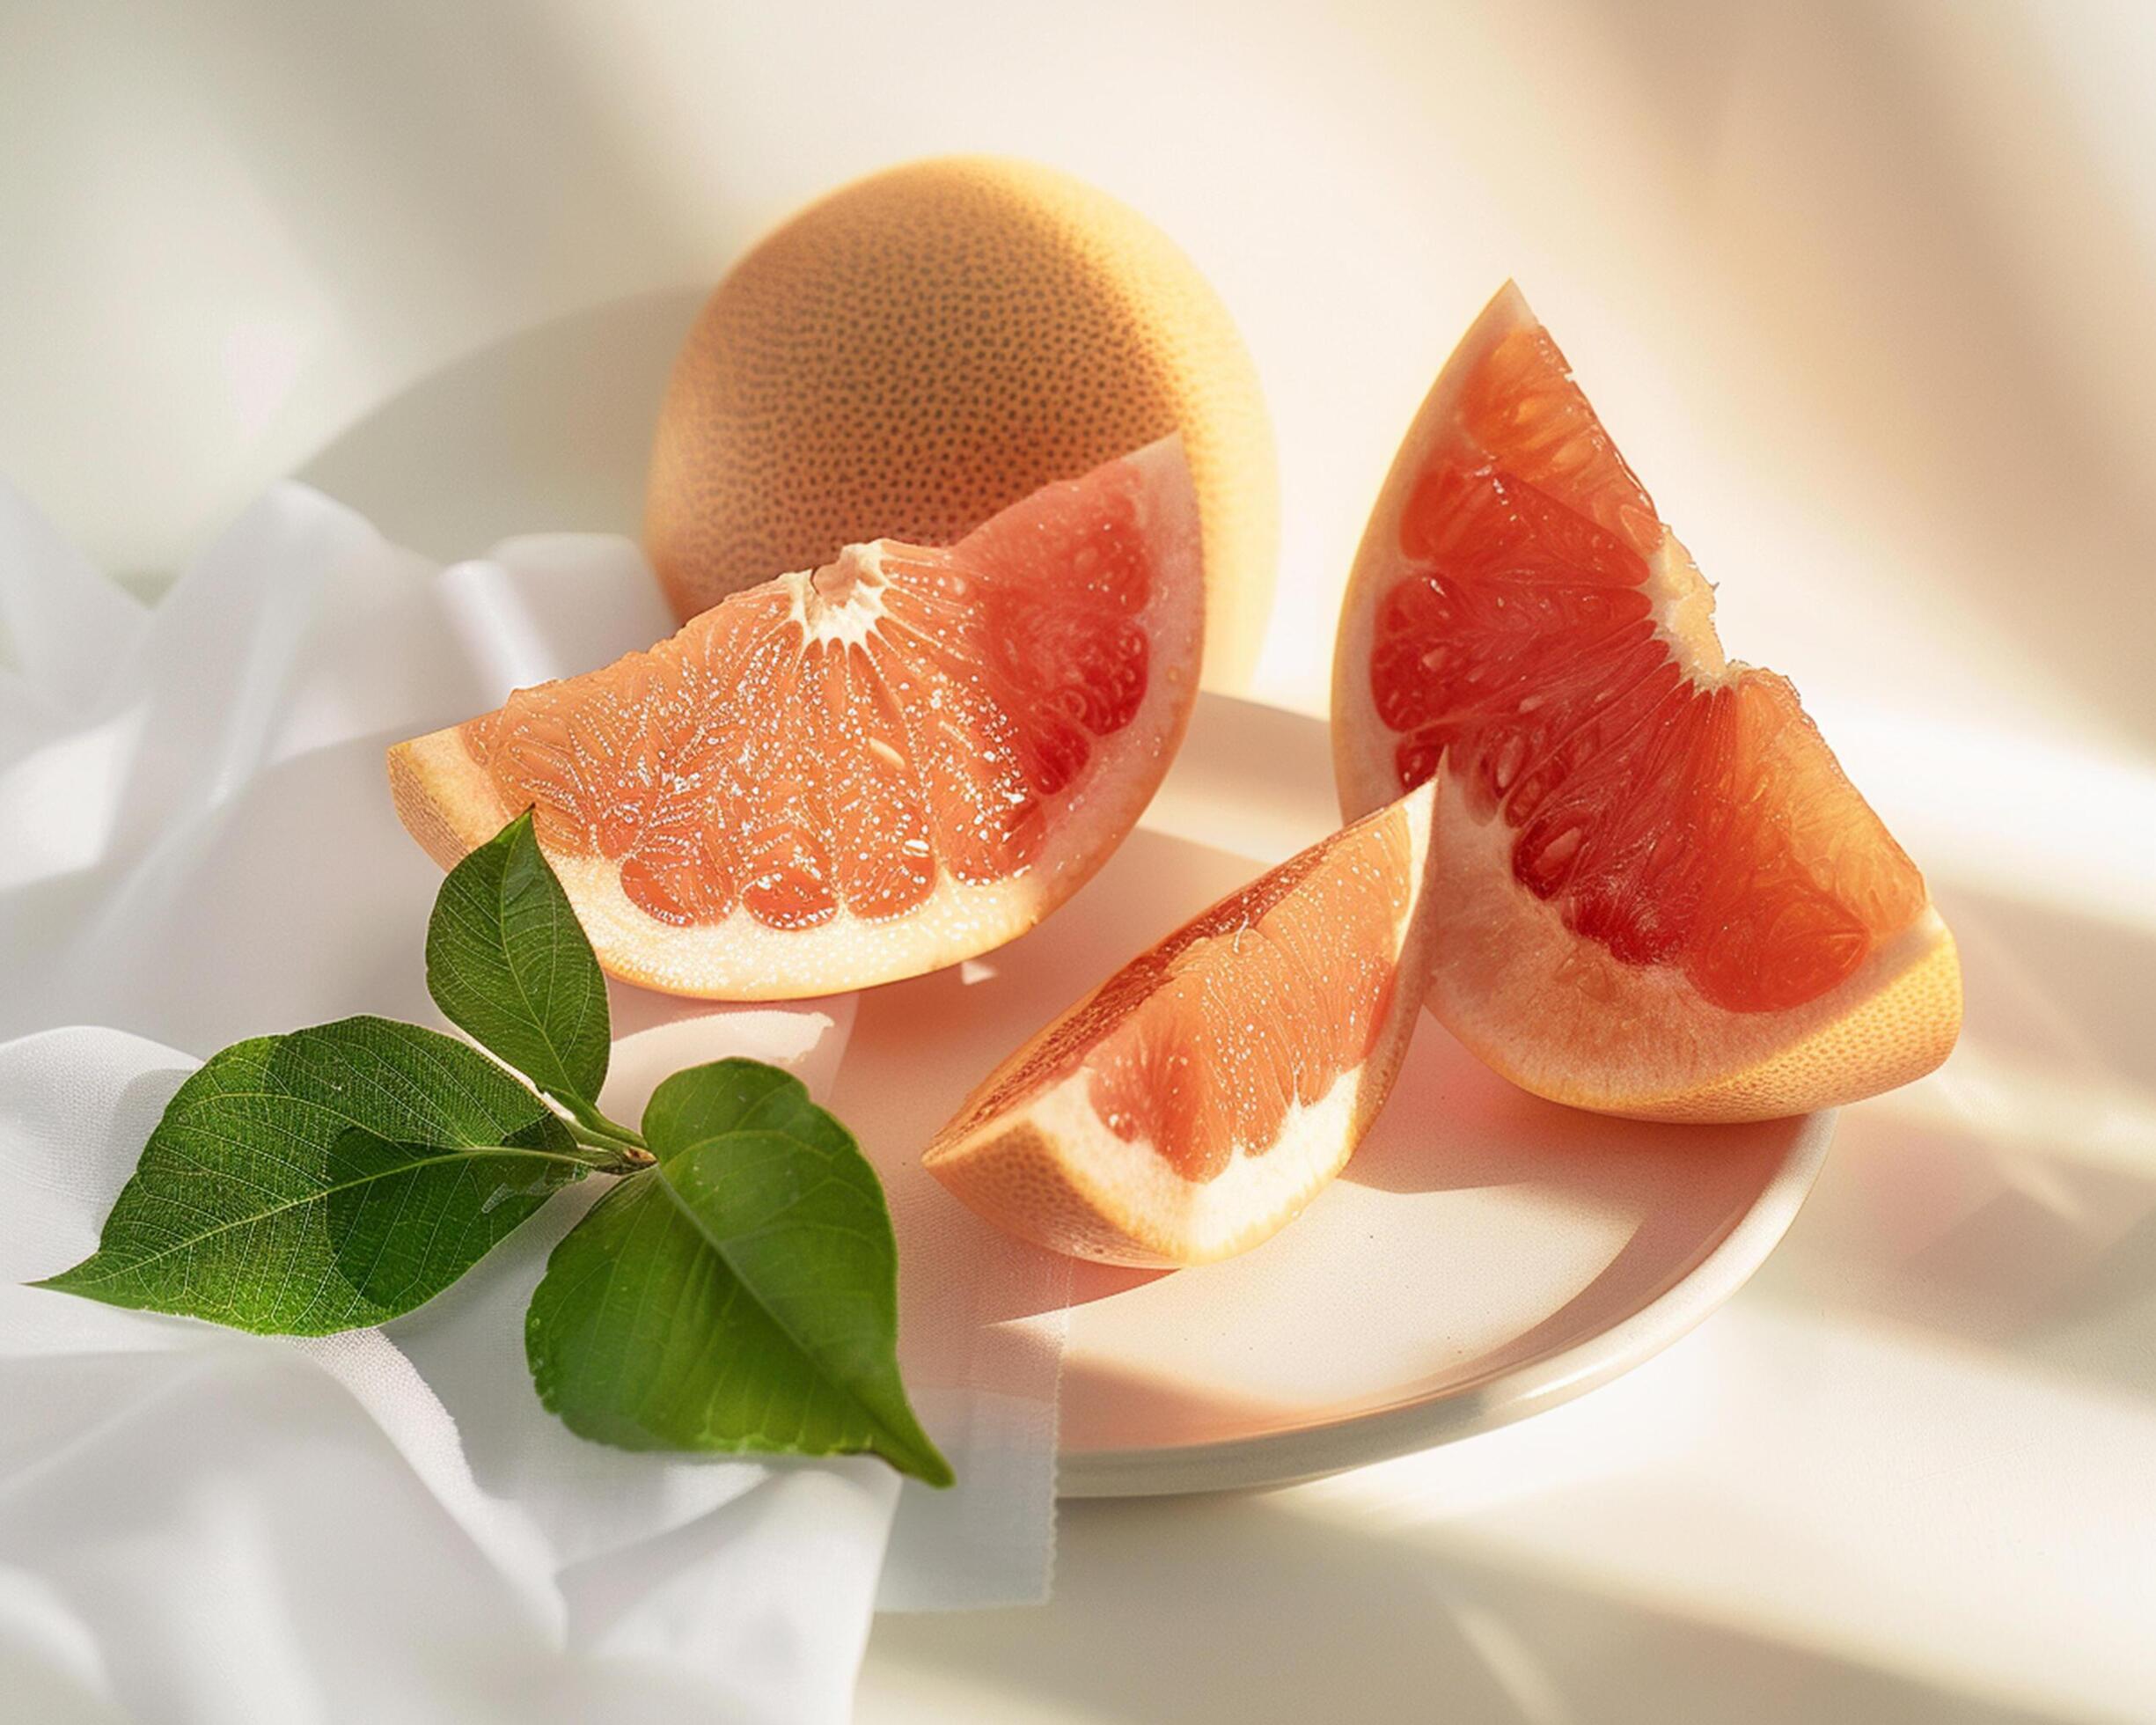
x: 862, y: 772
x: 1196, y: 1101
x: 1655, y: 892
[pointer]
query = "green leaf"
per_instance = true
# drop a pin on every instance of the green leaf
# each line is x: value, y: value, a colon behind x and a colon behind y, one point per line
x: 326, y: 1180
x: 508, y: 962
x: 741, y: 1295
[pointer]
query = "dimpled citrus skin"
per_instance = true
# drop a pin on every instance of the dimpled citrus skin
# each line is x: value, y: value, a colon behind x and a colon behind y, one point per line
x: 924, y: 348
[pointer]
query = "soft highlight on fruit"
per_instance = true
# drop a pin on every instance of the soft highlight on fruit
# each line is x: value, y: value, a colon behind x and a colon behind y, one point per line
x: 861, y: 772
x: 1660, y: 895
x: 1194, y: 1102
x: 928, y: 346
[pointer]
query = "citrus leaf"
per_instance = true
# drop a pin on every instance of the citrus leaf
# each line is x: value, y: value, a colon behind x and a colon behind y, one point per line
x: 508, y: 963
x: 741, y: 1295
x: 326, y: 1179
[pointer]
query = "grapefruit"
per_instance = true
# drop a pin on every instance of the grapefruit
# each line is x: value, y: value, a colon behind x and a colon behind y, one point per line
x: 862, y: 772
x: 927, y: 346
x: 1656, y: 892
x: 1196, y: 1101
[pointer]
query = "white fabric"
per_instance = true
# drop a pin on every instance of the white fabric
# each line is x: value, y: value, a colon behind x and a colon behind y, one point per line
x: 196, y: 844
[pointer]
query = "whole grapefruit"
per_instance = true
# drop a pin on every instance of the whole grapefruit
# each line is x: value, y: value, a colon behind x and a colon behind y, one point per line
x: 925, y: 346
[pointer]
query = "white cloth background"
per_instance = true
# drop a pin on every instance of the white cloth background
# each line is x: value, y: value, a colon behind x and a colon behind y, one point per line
x: 196, y: 844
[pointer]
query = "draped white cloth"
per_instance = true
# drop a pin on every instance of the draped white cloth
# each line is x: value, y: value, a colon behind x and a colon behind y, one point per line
x: 196, y: 845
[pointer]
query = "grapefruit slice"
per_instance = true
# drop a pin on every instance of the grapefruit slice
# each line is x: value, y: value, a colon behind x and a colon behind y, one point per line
x: 1657, y: 894
x: 860, y: 773
x: 1196, y: 1101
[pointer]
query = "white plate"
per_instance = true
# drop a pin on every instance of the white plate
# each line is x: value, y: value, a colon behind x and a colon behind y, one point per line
x: 1484, y: 1256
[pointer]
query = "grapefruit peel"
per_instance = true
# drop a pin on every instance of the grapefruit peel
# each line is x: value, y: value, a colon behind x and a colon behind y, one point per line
x: 1555, y: 1011
x: 452, y: 800
x: 1038, y: 1149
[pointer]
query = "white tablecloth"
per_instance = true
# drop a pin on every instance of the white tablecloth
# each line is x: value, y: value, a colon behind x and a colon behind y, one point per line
x: 198, y: 846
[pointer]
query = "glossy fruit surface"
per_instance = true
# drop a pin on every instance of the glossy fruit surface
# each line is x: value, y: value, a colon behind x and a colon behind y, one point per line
x: 1196, y: 1101
x: 1663, y: 889
x: 863, y: 771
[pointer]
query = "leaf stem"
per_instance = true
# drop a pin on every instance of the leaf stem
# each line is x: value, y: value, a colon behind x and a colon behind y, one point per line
x: 591, y: 1121
x: 592, y: 1128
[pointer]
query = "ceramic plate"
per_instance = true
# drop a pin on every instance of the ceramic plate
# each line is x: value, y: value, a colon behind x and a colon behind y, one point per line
x: 1484, y: 1256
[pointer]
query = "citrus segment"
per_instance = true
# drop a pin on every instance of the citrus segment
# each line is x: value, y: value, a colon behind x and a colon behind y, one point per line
x: 1675, y: 845
x: 1192, y: 1105
x: 859, y: 772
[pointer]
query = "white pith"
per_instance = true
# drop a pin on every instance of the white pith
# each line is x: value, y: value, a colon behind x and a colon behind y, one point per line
x: 1623, y: 1035
x: 1682, y: 599
x: 843, y: 601
x: 1553, y: 1012
x: 1199, y: 1220
x: 1683, y: 613
x: 1137, y: 1208
x: 740, y: 958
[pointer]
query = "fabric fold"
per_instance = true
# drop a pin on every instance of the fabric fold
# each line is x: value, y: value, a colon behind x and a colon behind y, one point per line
x: 196, y: 845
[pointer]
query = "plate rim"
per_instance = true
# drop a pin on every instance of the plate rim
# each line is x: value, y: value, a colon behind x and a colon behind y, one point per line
x: 1332, y: 1446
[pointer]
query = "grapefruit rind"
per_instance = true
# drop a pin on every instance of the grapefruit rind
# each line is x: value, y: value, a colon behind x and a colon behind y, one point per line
x: 1683, y: 600
x: 1552, y: 1012
x: 1638, y: 1041
x: 919, y: 348
x: 1049, y: 1170
x: 451, y: 804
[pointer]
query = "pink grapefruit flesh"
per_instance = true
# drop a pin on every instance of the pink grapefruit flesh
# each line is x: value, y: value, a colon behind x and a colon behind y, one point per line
x: 864, y: 771
x: 1658, y: 894
x: 1195, y: 1101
